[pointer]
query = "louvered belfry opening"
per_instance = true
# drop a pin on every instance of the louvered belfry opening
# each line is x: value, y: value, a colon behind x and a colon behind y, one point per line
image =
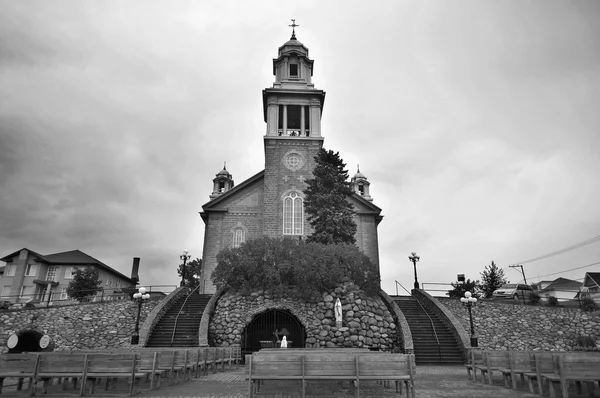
x: 261, y: 332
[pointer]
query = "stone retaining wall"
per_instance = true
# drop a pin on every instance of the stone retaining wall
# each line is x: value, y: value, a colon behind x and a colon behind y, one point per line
x: 507, y: 326
x: 366, y: 320
x: 77, y: 327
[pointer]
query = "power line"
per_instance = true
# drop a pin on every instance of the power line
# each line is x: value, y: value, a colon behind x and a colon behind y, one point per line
x: 566, y: 249
x: 567, y: 270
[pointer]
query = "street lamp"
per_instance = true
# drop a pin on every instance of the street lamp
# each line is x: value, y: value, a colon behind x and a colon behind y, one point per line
x: 184, y: 257
x: 139, y: 297
x: 470, y: 302
x: 414, y: 258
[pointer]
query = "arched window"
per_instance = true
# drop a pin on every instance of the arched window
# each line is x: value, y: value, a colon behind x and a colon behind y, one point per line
x: 239, y: 237
x: 293, y: 215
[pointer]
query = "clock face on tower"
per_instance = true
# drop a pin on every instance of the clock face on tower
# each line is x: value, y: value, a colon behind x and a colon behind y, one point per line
x: 293, y: 160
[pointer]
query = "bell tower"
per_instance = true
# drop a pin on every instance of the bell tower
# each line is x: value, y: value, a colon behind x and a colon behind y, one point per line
x: 292, y: 111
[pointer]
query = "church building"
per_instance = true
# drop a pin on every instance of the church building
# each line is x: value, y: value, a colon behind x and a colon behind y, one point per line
x: 271, y: 203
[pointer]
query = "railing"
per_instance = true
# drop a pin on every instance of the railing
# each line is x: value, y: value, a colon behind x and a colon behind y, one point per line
x: 179, y: 313
x: 430, y: 320
x: 57, y: 297
x: 448, y: 285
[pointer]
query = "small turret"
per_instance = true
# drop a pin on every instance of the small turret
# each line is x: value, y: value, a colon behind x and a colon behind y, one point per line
x: 360, y: 185
x: 223, y: 182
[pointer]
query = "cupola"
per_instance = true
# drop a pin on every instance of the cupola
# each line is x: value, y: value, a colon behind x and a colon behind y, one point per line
x: 223, y: 182
x: 360, y: 185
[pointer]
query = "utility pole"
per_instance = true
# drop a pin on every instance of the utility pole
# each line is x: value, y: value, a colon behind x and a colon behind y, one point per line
x: 523, y: 272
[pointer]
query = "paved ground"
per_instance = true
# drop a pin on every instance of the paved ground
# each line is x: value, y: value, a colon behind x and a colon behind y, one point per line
x: 431, y: 382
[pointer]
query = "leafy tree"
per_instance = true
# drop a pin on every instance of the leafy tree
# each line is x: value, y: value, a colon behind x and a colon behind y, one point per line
x: 84, y: 285
x: 329, y: 213
x: 192, y: 273
x: 459, y: 288
x: 284, y: 264
x: 492, y: 278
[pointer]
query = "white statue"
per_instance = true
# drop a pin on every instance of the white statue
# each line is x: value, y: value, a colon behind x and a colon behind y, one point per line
x: 338, y: 311
x: 284, y: 342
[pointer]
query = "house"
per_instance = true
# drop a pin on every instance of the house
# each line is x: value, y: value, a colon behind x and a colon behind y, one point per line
x: 591, y: 283
x: 271, y: 203
x: 32, y: 276
x: 563, y: 289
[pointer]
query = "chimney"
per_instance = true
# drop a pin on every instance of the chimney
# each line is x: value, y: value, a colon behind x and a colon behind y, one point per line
x: 134, y: 270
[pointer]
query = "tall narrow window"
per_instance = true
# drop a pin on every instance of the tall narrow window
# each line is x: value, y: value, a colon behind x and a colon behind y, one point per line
x: 294, y: 70
x: 293, y: 215
x: 239, y: 237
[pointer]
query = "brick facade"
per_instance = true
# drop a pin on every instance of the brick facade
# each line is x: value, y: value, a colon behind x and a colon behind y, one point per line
x: 255, y: 207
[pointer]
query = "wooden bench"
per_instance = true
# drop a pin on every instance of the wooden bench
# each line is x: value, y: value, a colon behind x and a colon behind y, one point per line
x: 541, y: 364
x: 493, y: 361
x: 61, y: 365
x: 20, y: 366
x: 474, y: 357
x: 331, y: 366
x: 112, y: 367
x: 574, y: 367
x: 519, y: 364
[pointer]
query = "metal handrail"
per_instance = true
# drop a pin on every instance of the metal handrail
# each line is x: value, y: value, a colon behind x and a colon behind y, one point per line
x: 179, y: 313
x: 430, y: 320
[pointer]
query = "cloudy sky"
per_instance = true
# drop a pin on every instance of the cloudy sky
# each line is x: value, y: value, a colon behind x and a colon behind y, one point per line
x: 476, y: 123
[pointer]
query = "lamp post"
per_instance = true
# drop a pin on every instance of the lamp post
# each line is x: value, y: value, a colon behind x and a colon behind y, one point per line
x: 414, y: 258
x: 184, y: 257
x: 139, y: 297
x: 470, y: 302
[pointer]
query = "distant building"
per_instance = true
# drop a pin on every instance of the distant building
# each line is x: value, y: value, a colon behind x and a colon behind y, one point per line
x: 31, y: 276
x: 563, y: 289
x: 591, y: 283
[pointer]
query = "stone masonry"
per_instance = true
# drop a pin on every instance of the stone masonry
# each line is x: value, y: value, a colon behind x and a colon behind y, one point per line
x: 77, y: 327
x: 507, y: 326
x: 367, y: 322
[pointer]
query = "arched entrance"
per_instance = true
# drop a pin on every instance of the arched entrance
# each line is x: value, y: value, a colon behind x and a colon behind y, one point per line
x: 260, y: 333
x: 28, y: 341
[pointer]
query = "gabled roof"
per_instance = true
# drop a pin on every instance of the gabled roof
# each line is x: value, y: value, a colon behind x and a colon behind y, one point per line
x: 591, y: 279
x: 563, y: 284
x: 73, y: 257
x: 10, y: 256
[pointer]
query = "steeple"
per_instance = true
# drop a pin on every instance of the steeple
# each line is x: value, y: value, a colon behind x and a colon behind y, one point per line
x: 223, y: 182
x: 293, y: 107
x: 360, y: 185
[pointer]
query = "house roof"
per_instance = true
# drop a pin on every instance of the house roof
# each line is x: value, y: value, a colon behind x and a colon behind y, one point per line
x: 591, y: 279
x: 10, y: 256
x: 563, y: 284
x: 72, y: 257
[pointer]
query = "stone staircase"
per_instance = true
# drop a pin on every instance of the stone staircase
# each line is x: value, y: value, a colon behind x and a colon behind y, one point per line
x: 188, y: 323
x: 427, y: 351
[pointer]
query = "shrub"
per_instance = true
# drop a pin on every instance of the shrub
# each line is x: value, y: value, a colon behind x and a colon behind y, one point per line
x: 281, y: 264
x: 588, y: 304
x: 535, y: 298
x: 552, y: 300
x: 585, y: 341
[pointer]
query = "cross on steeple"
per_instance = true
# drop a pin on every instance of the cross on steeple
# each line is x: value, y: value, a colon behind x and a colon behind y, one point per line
x: 293, y: 26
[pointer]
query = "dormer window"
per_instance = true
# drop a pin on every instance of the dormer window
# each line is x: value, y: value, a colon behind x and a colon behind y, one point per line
x: 294, y: 71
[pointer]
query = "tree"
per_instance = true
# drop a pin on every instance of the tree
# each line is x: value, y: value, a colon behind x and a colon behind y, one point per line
x: 329, y: 212
x: 84, y: 285
x: 192, y: 273
x: 283, y: 264
x: 459, y: 288
x: 492, y: 278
